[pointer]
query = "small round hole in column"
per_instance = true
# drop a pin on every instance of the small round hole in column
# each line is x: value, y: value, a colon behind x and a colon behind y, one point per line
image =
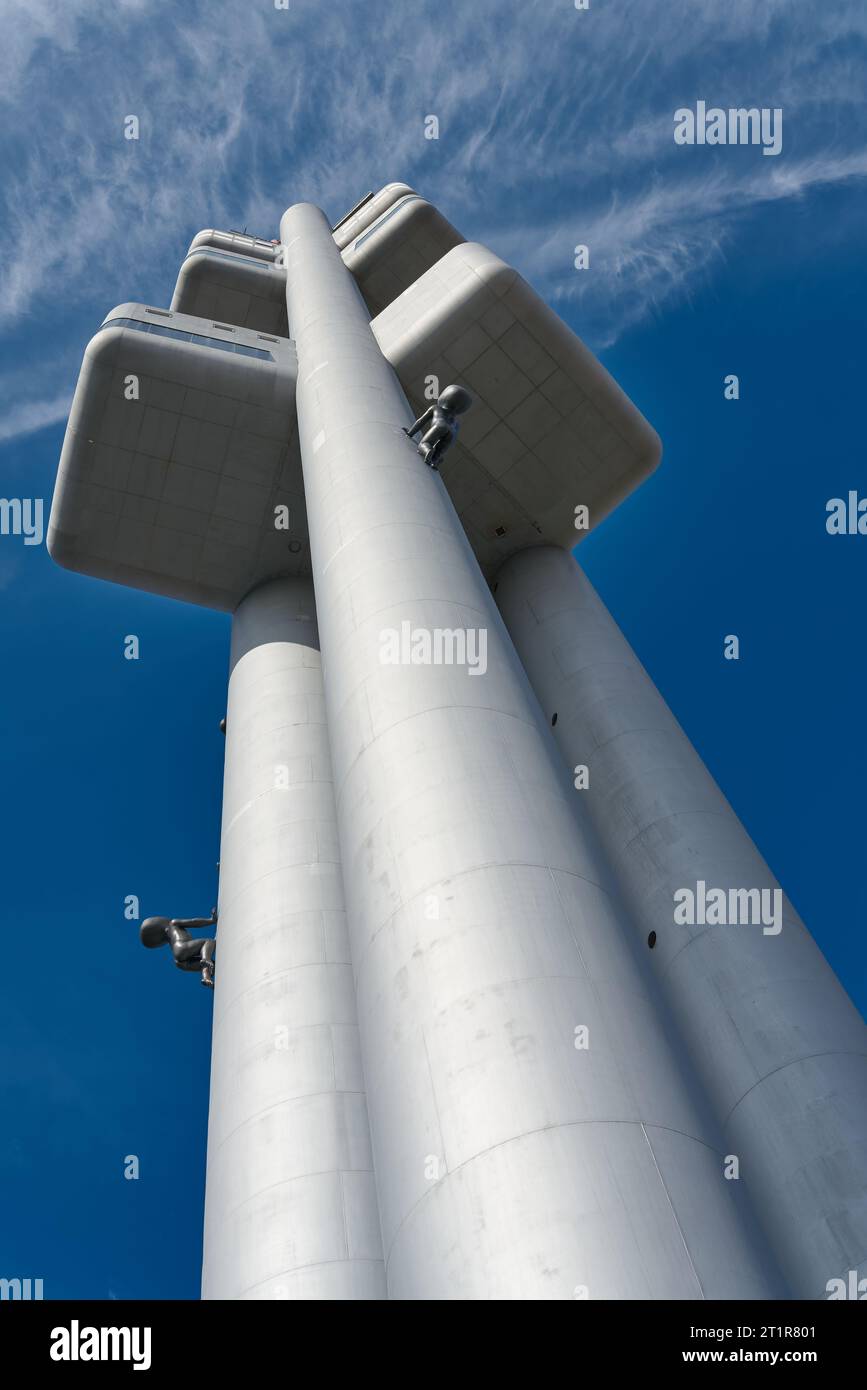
x: 651, y: 940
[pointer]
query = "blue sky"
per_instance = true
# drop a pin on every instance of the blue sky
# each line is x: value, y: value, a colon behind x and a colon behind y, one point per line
x: 555, y: 128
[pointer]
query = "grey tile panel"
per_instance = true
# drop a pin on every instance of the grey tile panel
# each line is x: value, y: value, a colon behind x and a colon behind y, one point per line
x: 396, y: 237
x: 212, y: 439
x: 175, y: 492
x: 550, y: 428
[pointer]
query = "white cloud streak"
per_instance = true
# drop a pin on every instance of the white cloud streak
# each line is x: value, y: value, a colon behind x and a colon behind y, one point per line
x: 31, y: 416
x: 556, y: 127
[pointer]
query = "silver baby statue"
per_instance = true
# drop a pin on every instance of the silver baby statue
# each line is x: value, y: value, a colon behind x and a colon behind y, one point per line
x: 439, y: 424
x: 189, y: 952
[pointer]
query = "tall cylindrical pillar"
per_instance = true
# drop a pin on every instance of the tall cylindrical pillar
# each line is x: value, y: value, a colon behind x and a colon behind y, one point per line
x: 778, y: 1046
x: 533, y: 1134
x: 290, y: 1209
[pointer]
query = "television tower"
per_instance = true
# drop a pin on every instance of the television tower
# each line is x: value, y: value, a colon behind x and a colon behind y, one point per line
x: 464, y: 1047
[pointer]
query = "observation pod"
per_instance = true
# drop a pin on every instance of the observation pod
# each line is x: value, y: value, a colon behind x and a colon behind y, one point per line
x: 445, y: 1063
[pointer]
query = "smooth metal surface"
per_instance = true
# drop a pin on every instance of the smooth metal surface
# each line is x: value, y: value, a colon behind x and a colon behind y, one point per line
x: 220, y: 278
x: 397, y: 248
x: 241, y: 243
x: 232, y: 288
x: 550, y: 430
x: 510, y: 1162
x: 363, y: 217
x: 176, y: 491
x: 290, y: 1201
x: 178, y: 451
x: 777, y: 1044
x: 353, y: 210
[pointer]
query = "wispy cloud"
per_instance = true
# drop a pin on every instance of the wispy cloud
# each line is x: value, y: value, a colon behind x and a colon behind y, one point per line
x: 30, y: 416
x: 555, y: 128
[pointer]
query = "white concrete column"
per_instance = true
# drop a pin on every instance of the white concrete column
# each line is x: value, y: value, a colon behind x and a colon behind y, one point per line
x: 776, y: 1042
x: 532, y: 1130
x: 290, y: 1208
